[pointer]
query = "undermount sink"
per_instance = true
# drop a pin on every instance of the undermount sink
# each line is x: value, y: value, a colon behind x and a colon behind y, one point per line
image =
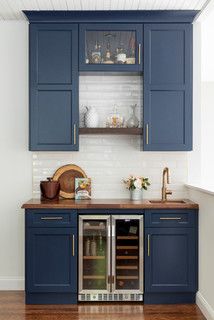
x: 167, y: 201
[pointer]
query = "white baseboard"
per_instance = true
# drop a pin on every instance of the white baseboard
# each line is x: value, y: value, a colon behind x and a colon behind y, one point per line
x: 11, y: 283
x: 206, y: 309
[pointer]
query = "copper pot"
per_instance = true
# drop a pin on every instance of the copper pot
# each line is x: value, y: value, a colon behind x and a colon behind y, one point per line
x: 50, y: 189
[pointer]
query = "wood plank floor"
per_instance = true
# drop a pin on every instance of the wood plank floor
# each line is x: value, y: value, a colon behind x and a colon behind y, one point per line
x: 12, y: 307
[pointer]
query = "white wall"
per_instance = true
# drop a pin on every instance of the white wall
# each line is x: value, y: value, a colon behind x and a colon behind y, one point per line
x: 207, y: 133
x: 207, y: 45
x: 205, y: 297
x: 201, y: 159
x: 207, y: 99
x: 194, y: 157
x: 15, y: 160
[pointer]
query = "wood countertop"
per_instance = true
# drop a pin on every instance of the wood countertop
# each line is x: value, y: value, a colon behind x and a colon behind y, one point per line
x: 109, y: 204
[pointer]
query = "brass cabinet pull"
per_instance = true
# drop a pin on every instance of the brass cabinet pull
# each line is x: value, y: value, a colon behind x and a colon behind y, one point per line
x: 139, y: 53
x: 147, y: 133
x: 75, y: 137
x: 73, y: 245
x: 148, y: 245
x: 170, y: 218
x: 51, y: 218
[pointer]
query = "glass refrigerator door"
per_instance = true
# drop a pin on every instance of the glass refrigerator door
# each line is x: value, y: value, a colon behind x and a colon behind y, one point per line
x: 127, y: 254
x: 94, y: 253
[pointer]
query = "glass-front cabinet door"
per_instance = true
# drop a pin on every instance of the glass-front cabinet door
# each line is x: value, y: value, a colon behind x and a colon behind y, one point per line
x: 127, y: 254
x: 110, y: 47
x: 94, y: 254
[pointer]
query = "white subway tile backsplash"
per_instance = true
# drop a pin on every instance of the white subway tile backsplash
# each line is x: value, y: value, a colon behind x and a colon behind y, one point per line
x: 109, y: 159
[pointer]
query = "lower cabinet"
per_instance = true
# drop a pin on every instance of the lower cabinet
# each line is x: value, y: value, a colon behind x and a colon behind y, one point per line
x: 170, y: 255
x: 170, y: 264
x: 51, y: 265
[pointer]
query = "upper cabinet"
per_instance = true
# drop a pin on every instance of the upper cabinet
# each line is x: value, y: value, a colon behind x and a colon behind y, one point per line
x: 167, y: 87
x: 53, y: 87
x: 156, y: 45
x: 110, y: 47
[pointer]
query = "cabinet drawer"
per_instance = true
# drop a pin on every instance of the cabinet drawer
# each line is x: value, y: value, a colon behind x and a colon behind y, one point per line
x: 51, y: 218
x: 170, y: 218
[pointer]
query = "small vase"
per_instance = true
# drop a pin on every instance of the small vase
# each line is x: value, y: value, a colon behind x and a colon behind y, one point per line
x: 133, y: 121
x: 136, y: 194
x: 91, y: 118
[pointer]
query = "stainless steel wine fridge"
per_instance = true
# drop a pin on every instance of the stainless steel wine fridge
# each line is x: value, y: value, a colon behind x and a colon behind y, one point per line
x: 111, y: 262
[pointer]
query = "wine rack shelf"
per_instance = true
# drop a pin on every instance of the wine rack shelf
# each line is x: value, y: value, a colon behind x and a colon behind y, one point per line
x: 127, y: 257
x: 93, y: 257
x: 127, y: 237
x: 127, y: 267
x: 127, y: 247
x: 96, y: 277
x: 127, y: 277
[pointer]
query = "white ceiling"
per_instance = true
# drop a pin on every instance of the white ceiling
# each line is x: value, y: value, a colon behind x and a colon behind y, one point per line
x: 12, y: 9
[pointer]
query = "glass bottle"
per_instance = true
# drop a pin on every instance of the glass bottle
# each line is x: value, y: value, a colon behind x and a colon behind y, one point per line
x: 108, y: 59
x: 133, y: 121
x: 87, y: 247
x: 96, y: 54
x: 100, y: 251
x: 120, y: 55
x: 93, y: 246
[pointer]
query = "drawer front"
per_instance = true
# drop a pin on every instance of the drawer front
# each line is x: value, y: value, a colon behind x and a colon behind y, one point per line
x: 171, y: 218
x: 51, y: 218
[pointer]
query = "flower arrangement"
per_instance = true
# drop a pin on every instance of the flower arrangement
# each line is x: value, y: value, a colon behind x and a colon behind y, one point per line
x: 138, y: 183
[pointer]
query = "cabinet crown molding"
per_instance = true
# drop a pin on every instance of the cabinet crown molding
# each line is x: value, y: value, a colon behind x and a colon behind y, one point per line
x: 132, y: 16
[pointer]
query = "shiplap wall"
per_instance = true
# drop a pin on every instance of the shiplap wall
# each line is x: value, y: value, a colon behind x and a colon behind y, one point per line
x: 109, y: 159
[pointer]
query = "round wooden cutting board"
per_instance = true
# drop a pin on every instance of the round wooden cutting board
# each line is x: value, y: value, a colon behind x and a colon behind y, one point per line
x: 66, y: 176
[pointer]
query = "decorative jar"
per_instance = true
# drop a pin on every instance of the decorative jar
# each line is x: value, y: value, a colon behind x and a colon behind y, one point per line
x: 91, y: 118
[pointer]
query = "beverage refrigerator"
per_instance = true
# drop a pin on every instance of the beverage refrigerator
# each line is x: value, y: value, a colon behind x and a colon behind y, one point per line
x: 111, y: 263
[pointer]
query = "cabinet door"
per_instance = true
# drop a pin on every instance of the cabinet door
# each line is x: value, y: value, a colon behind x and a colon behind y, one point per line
x: 110, y: 47
x: 167, y: 87
x: 170, y: 260
x: 51, y: 263
x: 53, y: 87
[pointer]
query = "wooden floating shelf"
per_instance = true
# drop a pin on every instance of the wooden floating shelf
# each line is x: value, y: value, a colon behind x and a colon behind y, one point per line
x: 93, y: 257
x: 127, y: 131
x: 127, y: 237
x: 94, y: 277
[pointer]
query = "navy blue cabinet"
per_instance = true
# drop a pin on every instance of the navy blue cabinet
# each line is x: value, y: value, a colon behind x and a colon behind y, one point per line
x: 51, y: 257
x: 170, y: 256
x: 141, y: 42
x: 53, y: 87
x: 167, y: 87
x: 111, y: 47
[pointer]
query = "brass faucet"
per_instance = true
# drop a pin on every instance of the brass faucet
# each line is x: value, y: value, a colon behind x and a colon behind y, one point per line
x: 165, y: 191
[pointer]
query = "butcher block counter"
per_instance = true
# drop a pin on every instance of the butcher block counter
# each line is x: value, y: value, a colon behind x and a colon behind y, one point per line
x: 109, y: 204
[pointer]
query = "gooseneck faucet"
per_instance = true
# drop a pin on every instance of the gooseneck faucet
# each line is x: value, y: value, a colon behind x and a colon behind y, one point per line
x: 165, y: 181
